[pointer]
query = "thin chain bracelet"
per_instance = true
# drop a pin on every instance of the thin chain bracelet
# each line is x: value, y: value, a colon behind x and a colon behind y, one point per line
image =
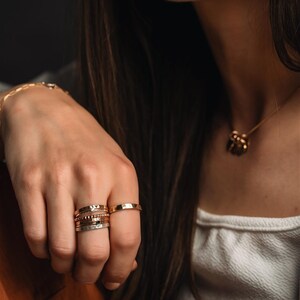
x: 26, y: 86
x: 51, y: 86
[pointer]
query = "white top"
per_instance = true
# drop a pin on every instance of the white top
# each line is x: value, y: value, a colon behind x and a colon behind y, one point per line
x: 237, y: 258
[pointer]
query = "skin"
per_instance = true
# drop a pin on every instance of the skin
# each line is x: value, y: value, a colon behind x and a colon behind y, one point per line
x: 265, y: 181
x: 69, y: 162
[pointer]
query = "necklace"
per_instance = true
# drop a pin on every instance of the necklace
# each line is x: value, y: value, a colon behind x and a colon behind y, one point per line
x: 238, y: 143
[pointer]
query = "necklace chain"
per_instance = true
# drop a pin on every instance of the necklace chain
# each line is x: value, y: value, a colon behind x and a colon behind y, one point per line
x: 263, y: 121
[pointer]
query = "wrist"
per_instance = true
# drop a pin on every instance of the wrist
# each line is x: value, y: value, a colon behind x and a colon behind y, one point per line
x: 20, y: 89
x: 18, y: 99
x: 25, y: 87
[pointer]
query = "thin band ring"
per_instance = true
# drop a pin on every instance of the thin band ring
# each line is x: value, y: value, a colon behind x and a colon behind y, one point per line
x: 86, y: 222
x: 92, y: 227
x: 92, y: 220
x: 91, y: 208
x: 89, y: 217
x: 125, y: 206
x: 91, y: 223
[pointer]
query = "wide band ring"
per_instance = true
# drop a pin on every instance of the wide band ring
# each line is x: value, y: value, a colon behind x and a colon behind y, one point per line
x: 125, y: 206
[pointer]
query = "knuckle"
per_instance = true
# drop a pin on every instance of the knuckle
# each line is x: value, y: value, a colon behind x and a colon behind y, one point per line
x: 60, y: 268
x: 62, y: 252
x: 125, y: 168
x: 34, y: 236
x: 94, y: 255
x: 39, y: 253
x: 30, y: 177
x: 87, y: 170
x: 116, y: 276
x: 127, y: 241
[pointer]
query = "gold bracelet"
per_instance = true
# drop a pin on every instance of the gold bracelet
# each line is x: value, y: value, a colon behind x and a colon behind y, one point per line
x: 51, y: 86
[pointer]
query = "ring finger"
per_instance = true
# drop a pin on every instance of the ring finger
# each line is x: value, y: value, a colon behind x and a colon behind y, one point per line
x: 124, y: 237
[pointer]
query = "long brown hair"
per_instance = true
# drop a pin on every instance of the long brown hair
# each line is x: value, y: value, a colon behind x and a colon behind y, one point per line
x: 152, y: 83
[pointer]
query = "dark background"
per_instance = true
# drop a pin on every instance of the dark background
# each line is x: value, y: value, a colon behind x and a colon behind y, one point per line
x: 35, y: 36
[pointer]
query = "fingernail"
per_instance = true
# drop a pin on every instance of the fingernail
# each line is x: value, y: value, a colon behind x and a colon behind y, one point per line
x: 111, y: 285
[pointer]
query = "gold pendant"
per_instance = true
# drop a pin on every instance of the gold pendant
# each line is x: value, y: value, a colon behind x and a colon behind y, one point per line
x: 238, y: 143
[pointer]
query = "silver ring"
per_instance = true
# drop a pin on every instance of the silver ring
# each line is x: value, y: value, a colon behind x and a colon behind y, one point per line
x: 92, y: 227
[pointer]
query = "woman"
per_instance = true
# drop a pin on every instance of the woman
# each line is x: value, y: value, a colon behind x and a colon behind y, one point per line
x: 170, y: 92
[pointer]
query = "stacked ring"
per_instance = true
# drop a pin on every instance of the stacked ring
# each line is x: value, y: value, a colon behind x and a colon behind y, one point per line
x: 91, y: 217
x: 97, y: 216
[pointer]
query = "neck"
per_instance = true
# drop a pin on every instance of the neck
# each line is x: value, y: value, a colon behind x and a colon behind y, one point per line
x: 240, y: 37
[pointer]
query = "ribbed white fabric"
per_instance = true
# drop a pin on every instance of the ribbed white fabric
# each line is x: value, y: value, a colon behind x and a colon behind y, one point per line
x: 238, y: 258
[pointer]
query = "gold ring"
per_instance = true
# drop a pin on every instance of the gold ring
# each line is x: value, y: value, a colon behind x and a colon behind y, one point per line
x: 103, y: 220
x: 89, y: 217
x: 125, y: 206
x: 91, y: 208
x: 94, y: 222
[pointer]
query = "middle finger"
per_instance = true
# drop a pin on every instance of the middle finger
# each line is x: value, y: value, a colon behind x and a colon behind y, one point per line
x: 93, y: 252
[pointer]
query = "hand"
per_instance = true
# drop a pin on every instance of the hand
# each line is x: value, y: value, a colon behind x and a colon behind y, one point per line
x: 60, y: 159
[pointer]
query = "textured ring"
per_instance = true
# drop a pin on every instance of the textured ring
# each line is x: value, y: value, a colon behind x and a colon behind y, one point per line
x: 89, y: 217
x: 125, y: 206
x: 92, y: 227
x: 90, y: 221
x: 91, y: 208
